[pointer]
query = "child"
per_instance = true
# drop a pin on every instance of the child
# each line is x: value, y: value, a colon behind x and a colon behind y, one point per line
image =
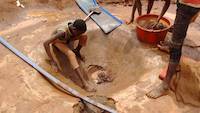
x: 63, y: 39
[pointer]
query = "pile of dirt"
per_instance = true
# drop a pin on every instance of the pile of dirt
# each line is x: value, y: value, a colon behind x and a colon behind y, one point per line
x: 99, y: 74
x: 186, y: 84
x: 85, y: 107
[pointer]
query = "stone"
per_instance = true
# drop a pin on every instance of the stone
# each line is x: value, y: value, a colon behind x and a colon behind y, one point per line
x: 99, y: 74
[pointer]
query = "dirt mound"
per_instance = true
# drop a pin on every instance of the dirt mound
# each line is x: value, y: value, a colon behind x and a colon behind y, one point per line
x: 187, y: 83
x: 84, y: 107
x: 99, y: 74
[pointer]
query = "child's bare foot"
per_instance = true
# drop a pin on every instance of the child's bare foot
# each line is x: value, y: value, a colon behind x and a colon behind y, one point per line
x: 163, y: 46
x: 163, y: 72
x: 128, y: 22
x: 53, y: 65
x: 171, y: 29
x: 158, y: 91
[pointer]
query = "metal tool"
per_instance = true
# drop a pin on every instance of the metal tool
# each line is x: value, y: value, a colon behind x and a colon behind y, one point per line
x: 93, y: 10
x: 106, y: 21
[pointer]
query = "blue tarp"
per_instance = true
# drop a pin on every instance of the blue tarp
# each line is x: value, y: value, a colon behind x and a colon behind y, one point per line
x: 106, y: 21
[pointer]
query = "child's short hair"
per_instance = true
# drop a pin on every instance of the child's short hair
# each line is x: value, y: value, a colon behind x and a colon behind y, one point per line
x: 80, y: 25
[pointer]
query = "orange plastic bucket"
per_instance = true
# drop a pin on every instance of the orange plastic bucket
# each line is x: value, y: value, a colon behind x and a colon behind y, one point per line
x: 151, y: 36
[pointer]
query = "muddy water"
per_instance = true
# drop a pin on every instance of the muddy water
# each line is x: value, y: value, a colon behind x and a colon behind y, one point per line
x: 149, y: 23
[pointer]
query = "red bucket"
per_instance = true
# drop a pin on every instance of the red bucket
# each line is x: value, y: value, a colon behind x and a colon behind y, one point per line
x: 151, y: 36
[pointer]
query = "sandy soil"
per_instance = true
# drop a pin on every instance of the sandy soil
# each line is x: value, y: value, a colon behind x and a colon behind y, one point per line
x: 24, y: 90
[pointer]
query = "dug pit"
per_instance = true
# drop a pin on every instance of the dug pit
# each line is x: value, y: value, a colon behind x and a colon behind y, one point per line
x: 134, y: 65
x: 120, y: 54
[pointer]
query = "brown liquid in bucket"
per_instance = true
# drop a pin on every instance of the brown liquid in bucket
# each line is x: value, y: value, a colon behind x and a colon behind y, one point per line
x: 149, y: 24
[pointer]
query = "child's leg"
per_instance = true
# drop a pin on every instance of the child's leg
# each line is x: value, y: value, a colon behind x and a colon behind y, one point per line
x: 139, y: 7
x: 55, y: 60
x: 133, y: 12
x: 74, y: 63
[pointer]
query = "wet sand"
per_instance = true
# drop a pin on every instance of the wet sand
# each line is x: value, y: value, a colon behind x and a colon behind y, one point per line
x: 135, y: 66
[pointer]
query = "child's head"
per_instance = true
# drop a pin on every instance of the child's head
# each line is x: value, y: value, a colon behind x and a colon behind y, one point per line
x: 78, y: 27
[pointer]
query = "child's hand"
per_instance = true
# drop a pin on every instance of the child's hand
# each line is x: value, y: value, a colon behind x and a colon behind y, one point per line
x: 78, y: 54
x: 82, y: 58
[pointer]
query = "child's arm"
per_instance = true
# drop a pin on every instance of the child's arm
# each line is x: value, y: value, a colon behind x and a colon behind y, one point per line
x: 166, y: 6
x: 78, y: 48
x: 51, y: 41
x: 82, y: 42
